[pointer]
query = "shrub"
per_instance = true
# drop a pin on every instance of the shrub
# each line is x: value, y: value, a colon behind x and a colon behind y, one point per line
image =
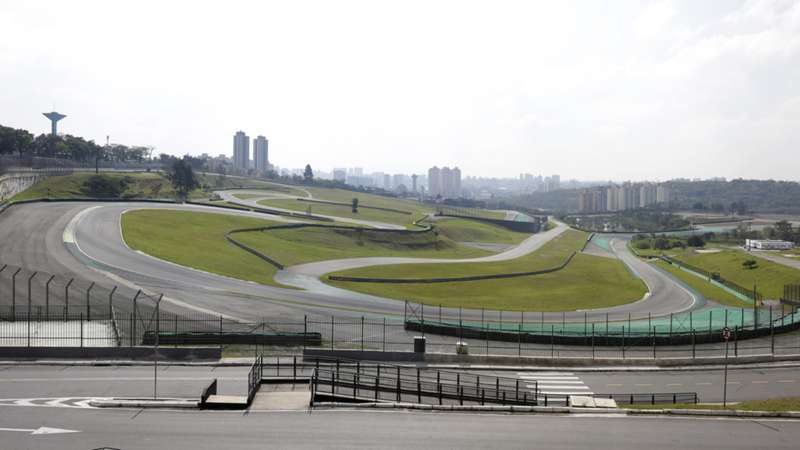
x: 105, y: 186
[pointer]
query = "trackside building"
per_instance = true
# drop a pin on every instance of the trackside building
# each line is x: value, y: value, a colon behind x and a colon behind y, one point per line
x: 767, y: 244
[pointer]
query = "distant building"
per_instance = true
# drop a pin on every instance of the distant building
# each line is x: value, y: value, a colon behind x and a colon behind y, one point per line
x: 444, y: 182
x: 414, y: 182
x: 340, y: 175
x: 767, y: 244
x: 261, y: 154
x: 622, y: 197
x: 241, y: 151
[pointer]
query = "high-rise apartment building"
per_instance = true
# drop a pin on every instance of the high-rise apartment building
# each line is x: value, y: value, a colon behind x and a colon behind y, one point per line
x: 241, y: 151
x: 444, y: 182
x: 261, y: 154
x: 624, y: 197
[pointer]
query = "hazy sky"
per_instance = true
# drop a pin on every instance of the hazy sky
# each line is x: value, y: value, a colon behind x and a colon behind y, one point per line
x: 589, y: 90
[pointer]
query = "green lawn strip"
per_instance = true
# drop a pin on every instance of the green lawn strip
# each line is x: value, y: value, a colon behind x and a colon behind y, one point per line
x: 464, y: 230
x: 196, y: 239
x: 375, y: 215
x: 704, y: 287
x: 549, y: 255
x: 302, y: 245
x: 587, y: 282
x: 773, y: 405
x: 769, y: 277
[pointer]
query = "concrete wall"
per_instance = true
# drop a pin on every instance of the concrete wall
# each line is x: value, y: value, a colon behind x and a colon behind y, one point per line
x: 12, y: 184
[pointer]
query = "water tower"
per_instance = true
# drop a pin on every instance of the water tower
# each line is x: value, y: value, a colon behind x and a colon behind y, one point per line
x: 54, y: 118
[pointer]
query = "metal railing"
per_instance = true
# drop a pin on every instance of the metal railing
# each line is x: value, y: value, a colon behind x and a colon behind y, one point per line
x: 343, y: 379
x: 254, y: 378
x: 652, y: 398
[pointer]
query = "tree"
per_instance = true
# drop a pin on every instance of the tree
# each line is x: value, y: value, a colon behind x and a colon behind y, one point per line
x: 661, y: 244
x: 750, y: 264
x: 355, y: 205
x: 182, y: 176
x: 308, y: 174
x: 695, y: 241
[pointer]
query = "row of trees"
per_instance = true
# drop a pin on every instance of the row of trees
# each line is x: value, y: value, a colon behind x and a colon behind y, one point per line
x: 15, y: 141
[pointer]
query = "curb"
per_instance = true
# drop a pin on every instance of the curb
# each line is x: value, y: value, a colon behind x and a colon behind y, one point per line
x: 167, y: 403
x: 714, y: 413
x: 476, y: 408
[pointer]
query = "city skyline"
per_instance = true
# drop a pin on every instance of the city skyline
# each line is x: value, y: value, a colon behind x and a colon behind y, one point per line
x: 591, y: 100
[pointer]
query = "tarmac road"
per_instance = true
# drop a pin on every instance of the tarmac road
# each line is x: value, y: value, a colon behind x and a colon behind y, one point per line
x: 184, y: 430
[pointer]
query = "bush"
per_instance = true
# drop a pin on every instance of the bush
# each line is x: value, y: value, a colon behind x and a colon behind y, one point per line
x: 696, y: 241
x: 662, y: 244
x: 750, y: 264
x: 105, y: 186
x: 643, y: 245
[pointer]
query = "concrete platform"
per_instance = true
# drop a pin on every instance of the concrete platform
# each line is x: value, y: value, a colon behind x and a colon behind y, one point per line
x: 582, y: 401
x: 281, y: 400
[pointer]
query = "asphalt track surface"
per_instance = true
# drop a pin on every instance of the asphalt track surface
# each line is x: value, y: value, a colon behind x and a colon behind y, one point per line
x: 179, y: 430
x: 33, y: 236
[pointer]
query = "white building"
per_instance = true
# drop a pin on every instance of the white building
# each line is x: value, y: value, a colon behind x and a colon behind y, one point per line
x: 767, y: 244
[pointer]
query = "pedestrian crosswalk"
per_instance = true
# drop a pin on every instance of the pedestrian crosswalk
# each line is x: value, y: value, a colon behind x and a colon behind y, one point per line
x: 555, y: 383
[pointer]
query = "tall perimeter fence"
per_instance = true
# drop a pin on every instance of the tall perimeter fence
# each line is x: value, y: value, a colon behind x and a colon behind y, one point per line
x: 42, y: 310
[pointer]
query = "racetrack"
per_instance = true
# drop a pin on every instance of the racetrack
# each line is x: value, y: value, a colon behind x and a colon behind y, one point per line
x: 33, y: 236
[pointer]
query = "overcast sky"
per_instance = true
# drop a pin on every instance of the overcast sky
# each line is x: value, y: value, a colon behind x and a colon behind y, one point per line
x: 589, y: 90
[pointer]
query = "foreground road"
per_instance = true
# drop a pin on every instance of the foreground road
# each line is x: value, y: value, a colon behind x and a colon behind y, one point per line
x: 140, y: 429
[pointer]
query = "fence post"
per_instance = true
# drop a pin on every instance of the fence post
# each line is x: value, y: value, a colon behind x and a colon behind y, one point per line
x: 654, y: 342
x: 519, y: 340
x: 362, y: 333
x: 305, y: 329
x: 135, y: 308
x: 111, y: 306
x: 14, y: 295
x: 771, y: 332
x: 623, y: 341
x: 405, y: 312
x: 585, y: 318
x: 333, y: 326
x: 693, y: 344
x: 606, y: 325
x: 592, y: 340
x: 47, y: 297
x: 81, y: 324
x: 552, y: 341
x: 710, y: 314
x: 398, y: 383
x: 88, y: 302
x: 220, y: 332
x: 66, y: 298
x: 384, y: 333
x: 30, y: 279
x: 735, y: 341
